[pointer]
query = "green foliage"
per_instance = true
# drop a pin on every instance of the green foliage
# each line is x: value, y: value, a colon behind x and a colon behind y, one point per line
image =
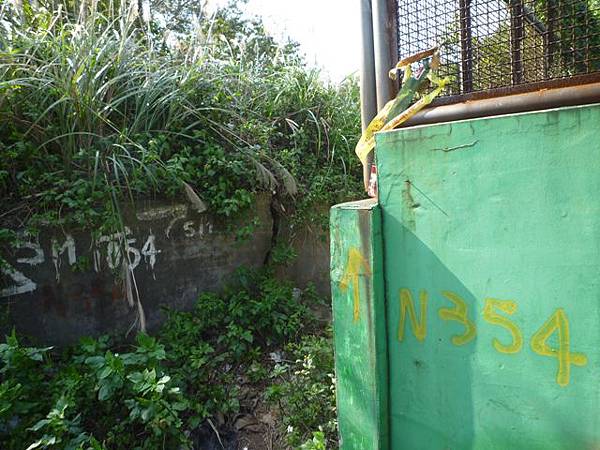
x: 8, y: 240
x: 316, y: 443
x: 125, y: 399
x: 282, y: 254
x: 96, y: 111
x: 573, y: 35
x: 305, y: 392
x: 155, y: 392
x: 60, y: 431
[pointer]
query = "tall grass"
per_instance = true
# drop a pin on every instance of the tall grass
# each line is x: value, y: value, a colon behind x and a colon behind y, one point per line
x: 93, y: 95
x: 91, y: 86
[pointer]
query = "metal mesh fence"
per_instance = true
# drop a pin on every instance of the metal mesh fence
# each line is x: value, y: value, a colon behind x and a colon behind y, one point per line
x: 491, y: 44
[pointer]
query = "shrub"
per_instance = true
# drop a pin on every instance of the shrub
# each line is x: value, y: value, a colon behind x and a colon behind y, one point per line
x: 305, y: 393
x: 155, y: 392
x: 96, y: 111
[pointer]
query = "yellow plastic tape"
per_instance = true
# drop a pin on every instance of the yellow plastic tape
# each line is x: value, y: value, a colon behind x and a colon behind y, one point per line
x: 367, y: 139
x: 416, y: 107
x: 382, y: 122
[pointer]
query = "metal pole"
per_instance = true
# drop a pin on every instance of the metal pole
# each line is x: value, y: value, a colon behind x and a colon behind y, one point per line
x: 368, y: 96
x: 393, y: 39
x: 466, y: 45
x: 380, y: 37
x: 516, y: 39
x: 384, y: 39
x: 550, y: 39
x: 368, y: 90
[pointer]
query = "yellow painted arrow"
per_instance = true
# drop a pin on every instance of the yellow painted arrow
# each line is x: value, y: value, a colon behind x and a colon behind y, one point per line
x: 356, y: 261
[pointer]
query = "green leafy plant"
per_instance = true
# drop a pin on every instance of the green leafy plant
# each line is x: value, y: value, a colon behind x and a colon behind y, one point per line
x: 317, y: 442
x: 305, y: 393
x: 154, y: 392
x: 97, y: 111
x: 60, y: 431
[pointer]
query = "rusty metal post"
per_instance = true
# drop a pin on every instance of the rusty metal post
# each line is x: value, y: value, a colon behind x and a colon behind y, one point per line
x: 466, y: 46
x: 508, y: 104
x: 516, y: 39
x: 550, y: 39
x: 385, y: 47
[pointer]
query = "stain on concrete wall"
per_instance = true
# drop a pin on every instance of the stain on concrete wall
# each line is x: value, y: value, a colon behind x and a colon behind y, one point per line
x: 61, y: 285
x: 311, y: 266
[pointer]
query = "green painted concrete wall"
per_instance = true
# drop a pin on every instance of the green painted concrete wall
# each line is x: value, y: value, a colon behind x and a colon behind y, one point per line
x: 359, y: 325
x: 491, y: 262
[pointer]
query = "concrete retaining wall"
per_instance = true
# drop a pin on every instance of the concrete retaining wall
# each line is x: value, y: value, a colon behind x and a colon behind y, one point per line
x: 62, y: 285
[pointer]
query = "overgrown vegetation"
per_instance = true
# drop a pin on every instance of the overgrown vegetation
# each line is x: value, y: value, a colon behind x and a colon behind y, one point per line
x: 99, y: 107
x: 158, y: 392
x: 102, y: 104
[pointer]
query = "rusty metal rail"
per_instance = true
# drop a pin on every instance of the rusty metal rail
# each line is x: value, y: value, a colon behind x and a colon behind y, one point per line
x: 542, y: 99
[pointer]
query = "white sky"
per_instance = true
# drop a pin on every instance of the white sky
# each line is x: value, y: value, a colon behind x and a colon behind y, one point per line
x: 328, y: 30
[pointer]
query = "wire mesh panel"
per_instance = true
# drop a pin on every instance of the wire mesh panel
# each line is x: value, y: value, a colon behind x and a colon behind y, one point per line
x: 490, y: 44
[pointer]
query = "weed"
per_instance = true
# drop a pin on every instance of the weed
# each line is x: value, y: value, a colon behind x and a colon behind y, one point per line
x: 96, y: 113
x: 155, y: 392
x: 305, y: 392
